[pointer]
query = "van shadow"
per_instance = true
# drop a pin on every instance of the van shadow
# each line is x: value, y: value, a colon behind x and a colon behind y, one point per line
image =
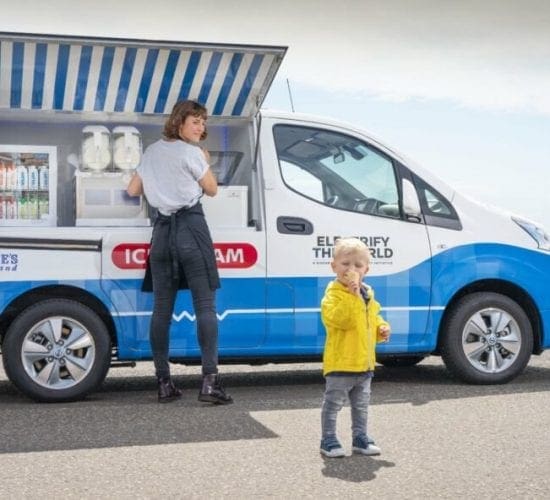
x: 125, y: 412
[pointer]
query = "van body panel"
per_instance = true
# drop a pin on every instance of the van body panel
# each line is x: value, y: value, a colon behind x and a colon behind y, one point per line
x: 290, y: 185
x: 396, y: 265
x: 459, y: 267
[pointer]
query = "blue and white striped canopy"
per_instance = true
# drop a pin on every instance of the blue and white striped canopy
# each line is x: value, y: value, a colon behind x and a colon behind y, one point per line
x: 43, y: 72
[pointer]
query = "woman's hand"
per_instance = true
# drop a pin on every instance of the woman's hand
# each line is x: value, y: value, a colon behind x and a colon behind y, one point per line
x: 135, y: 187
x: 206, y: 155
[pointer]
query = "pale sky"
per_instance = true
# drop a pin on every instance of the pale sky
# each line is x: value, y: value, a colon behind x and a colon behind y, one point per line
x: 460, y: 86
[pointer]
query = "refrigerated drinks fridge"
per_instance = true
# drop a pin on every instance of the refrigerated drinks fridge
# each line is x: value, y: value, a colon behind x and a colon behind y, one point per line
x: 27, y: 185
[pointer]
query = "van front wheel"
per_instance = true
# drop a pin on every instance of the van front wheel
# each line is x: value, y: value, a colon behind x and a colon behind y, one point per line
x: 57, y: 350
x: 487, y: 339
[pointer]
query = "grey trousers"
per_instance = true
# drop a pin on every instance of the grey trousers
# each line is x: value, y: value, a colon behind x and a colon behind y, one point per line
x: 338, y: 389
x: 165, y: 289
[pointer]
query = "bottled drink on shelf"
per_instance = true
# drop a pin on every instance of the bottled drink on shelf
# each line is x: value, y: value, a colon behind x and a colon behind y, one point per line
x: 11, y: 176
x: 33, y: 177
x: 22, y: 178
x: 43, y: 205
x: 43, y: 178
x: 10, y: 207
x: 22, y: 208
x: 3, y: 174
x: 32, y: 207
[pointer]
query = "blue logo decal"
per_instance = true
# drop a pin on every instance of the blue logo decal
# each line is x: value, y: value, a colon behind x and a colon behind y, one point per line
x: 8, y: 261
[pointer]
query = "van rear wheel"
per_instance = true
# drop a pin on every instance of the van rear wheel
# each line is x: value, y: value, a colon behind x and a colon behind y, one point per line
x: 57, y: 350
x: 487, y: 339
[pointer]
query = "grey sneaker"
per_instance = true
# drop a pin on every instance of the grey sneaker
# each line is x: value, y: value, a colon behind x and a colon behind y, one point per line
x: 365, y: 446
x: 331, y: 447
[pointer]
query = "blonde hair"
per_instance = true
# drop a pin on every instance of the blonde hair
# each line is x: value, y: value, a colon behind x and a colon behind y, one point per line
x: 350, y: 245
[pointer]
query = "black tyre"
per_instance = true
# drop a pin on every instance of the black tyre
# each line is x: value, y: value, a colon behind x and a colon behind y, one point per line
x: 400, y: 361
x: 487, y: 339
x: 57, y: 350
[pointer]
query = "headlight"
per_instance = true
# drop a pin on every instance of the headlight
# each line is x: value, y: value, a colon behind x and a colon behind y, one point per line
x: 535, y: 231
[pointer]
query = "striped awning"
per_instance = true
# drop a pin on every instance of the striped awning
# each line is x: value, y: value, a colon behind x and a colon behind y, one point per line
x: 44, y: 72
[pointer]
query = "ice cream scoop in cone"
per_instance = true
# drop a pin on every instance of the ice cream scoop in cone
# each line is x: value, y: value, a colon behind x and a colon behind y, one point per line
x: 351, y: 277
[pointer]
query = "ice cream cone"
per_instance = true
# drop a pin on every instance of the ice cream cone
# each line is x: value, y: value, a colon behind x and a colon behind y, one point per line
x: 351, y: 277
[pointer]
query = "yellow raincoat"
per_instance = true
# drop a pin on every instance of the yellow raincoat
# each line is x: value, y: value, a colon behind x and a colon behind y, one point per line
x: 351, y: 327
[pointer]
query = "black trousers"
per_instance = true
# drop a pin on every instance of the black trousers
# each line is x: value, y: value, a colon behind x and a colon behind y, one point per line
x: 166, y: 247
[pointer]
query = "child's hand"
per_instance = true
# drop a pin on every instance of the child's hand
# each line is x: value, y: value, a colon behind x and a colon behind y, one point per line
x: 384, y: 332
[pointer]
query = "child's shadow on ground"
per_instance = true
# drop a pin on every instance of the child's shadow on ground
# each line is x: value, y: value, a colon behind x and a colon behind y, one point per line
x: 354, y: 468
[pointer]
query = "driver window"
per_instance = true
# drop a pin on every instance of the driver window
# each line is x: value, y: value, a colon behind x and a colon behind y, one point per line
x: 337, y: 170
x: 301, y: 180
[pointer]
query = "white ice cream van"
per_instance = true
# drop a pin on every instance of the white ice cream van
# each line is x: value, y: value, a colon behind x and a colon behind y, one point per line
x: 455, y: 278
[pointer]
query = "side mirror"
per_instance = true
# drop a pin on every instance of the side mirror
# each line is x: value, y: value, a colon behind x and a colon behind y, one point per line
x: 411, y: 204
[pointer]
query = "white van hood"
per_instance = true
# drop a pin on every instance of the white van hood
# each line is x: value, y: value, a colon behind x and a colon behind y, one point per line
x: 100, y: 75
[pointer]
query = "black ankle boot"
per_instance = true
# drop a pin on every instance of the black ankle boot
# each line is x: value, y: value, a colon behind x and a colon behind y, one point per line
x: 213, y: 392
x: 167, y: 390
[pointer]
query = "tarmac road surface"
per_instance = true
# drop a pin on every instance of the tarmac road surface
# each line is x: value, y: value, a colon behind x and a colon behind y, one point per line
x: 439, y: 438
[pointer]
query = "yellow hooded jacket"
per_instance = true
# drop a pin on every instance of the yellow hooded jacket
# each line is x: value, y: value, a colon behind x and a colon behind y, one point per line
x: 351, y: 327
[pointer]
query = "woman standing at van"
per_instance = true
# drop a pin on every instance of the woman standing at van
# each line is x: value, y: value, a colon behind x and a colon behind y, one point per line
x: 173, y: 175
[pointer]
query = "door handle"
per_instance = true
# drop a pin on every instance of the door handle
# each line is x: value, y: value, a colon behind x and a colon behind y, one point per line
x: 294, y: 225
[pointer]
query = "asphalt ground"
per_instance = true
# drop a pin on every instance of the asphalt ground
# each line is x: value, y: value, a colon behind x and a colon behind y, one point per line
x: 439, y: 438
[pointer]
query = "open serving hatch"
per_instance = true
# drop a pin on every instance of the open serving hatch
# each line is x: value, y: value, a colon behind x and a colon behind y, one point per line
x: 104, y: 75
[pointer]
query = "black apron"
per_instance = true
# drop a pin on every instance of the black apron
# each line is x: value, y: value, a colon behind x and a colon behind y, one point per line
x: 195, y: 221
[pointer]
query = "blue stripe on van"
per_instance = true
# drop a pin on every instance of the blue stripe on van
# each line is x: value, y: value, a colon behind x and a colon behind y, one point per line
x: 38, y: 76
x: 247, y: 84
x: 209, y: 77
x: 61, y: 76
x: 16, y: 74
x: 146, y: 78
x: 125, y: 77
x: 228, y: 83
x: 166, y: 82
x: 281, y: 314
x: 103, y: 80
x: 82, y: 78
x: 190, y: 72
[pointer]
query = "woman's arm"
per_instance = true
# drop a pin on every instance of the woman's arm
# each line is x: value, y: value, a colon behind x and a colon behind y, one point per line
x: 135, y: 187
x: 208, y: 183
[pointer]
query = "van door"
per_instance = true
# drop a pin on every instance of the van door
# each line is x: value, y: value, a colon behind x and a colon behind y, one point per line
x: 325, y: 183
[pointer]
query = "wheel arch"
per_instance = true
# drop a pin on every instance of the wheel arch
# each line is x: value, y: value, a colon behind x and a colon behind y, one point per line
x: 46, y: 292
x: 503, y: 287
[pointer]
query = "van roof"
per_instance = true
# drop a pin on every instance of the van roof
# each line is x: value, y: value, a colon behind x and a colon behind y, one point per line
x: 92, y: 75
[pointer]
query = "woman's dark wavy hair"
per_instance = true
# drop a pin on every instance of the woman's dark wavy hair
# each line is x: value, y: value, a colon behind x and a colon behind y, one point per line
x: 180, y: 111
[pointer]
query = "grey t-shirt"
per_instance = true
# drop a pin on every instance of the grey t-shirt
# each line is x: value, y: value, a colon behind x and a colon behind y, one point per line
x: 170, y: 171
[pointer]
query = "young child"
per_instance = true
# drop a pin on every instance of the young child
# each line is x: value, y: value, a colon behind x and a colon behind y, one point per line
x: 353, y: 326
